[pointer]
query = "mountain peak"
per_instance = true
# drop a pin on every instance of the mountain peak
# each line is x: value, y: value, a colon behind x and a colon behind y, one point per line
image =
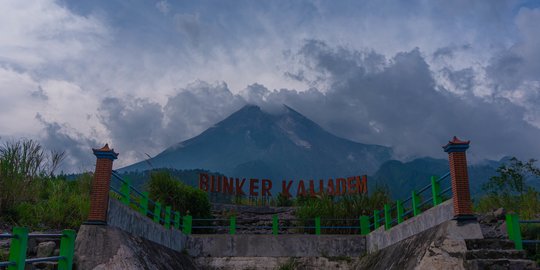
x: 253, y: 142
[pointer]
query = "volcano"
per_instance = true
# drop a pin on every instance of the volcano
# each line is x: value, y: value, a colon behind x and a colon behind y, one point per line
x: 278, y: 146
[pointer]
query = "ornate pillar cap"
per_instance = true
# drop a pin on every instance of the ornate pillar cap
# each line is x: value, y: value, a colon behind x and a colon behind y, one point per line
x: 105, y: 152
x: 456, y: 145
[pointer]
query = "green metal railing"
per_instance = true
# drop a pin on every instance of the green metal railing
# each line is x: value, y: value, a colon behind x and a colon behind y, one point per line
x: 19, y: 245
x: 395, y: 213
x: 160, y: 214
x: 514, y: 230
x: 392, y: 214
x: 314, y: 225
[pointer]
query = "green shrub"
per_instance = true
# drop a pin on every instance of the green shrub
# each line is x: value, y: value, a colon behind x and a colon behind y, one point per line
x: 347, y: 208
x: 282, y: 200
x: 31, y: 195
x: 22, y: 163
x: 167, y: 190
x: 60, y: 204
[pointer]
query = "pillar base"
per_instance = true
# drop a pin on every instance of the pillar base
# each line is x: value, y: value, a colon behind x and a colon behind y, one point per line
x: 95, y: 222
x: 465, y: 217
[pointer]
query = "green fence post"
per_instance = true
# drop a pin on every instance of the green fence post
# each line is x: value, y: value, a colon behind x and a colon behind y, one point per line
x: 435, y: 191
x: 125, y: 192
x: 167, y: 217
x: 275, y: 225
x: 17, y: 250
x: 399, y: 207
x: 415, y: 203
x: 144, y: 204
x: 387, y: 217
x: 187, y: 224
x: 318, y: 225
x: 364, y: 225
x: 376, y: 216
x: 232, y: 226
x: 67, y: 247
x: 514, y: 231
x: 177, y: 220
x: 157, y: 212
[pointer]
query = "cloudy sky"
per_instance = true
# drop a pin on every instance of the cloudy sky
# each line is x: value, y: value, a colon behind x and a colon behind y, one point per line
x: 145, y: 74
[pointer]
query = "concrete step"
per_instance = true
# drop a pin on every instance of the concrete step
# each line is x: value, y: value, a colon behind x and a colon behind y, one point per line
x: 503, y: 244
x: 499, y: 264
x: 495, y: 254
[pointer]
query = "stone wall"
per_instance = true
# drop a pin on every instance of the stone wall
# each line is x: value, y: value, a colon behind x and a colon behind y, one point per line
x: 125, y: 218
x: 440, y: 247
x: 432, y: 217
x: 276, y: 246
x: 100, y: 247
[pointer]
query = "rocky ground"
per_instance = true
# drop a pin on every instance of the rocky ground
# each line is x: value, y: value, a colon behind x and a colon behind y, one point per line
x: 493, y: 224
x: 254, y: 219
x: 38, y: 247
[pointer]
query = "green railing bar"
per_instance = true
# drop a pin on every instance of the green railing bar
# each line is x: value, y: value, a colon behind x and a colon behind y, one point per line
x: 399, y: 207
x: 157, y: 212
x: 67, y: 246
x: 144, y: 204
x: 17, y: 250
x: 275, y: 225
x: 435, y: 191
x: 364, y: 225
x: 387, y: 217
x: 232, y: 226
x: 125, y: 192
x: 177, y: 220
x: 318, y: 225
x: 187, y: 224
x: 514, y: 231
x: 167, y: 217
x: 415, y: 203
x: 376, y: 216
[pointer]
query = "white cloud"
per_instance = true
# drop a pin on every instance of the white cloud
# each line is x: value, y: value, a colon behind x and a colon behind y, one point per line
x: 36, y: 32
x: 163, y: 6
x: 17, y: 106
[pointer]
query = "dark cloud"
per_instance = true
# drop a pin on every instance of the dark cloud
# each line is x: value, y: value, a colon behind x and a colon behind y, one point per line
x: 39, y: 94
x: 521, y: 62
x: 197, y: 107
x: 139, y: 126
x: 368, y: 98
x: 76, y: 146
x: 398, y: 103
x: 449, y: 51
x: 134, y: 125
x: 462, y: 80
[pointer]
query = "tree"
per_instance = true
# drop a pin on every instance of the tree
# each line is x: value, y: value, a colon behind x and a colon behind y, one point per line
x: 509, y: 189
x: 512, y: 177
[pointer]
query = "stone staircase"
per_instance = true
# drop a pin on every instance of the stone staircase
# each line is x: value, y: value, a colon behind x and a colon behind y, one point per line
x: 495, y: 254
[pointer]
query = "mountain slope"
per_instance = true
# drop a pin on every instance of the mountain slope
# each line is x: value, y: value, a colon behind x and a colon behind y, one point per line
x: 253, y: 143
x: 401, y: 178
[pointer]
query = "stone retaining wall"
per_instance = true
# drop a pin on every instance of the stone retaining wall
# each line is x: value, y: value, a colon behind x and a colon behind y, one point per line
x: 432, y: 217
x: 125, y: 218
x: 276, y: 246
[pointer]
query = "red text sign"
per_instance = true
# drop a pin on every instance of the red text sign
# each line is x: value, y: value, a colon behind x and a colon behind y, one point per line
x: 263, y: 187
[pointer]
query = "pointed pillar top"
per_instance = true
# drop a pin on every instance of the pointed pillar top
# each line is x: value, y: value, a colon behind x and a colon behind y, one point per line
x: 456, y: 145
x: 105, y: 152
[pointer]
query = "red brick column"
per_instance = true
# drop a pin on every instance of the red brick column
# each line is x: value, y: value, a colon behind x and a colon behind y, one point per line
x: 99, y: 196
x: 460, y: 178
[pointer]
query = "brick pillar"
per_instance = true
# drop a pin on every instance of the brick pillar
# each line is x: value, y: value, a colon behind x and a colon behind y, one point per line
x: 99, y: 196
x: 460, y: 178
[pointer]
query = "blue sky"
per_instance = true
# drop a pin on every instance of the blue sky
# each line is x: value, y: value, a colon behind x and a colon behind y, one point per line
x: 145, y: 74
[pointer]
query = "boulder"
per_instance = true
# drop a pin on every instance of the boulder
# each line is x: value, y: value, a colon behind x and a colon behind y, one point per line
x: 45, y: 249
x: 500, y: 214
